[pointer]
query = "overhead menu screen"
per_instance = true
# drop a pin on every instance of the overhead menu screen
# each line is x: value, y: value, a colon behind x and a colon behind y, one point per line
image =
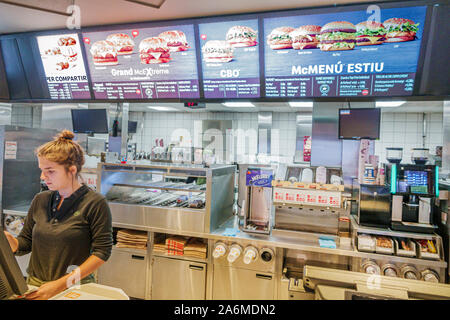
x: 230, y: 59
x: 143, y: 63
x: 64, y: 67
x: 343, y: 54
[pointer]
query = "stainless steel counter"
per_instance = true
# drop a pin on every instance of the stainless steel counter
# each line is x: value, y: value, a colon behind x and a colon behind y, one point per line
x: 301, y: 241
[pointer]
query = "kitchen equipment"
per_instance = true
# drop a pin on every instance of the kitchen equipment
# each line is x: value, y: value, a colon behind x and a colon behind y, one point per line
x: 374, y: 206
x: 257, y: 207
x: 173, y: 197
x: 394, y: 155
x: 245, y: 281
x: 414, y: 189
x: 420, y: 155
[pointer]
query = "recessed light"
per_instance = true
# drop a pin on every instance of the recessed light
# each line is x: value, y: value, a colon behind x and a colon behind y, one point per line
x: 388, y: 104
x: 301, y: 104
x: 160, y: 108
x: 238, y: 104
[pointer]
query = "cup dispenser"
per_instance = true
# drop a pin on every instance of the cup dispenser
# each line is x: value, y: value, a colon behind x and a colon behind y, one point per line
x: 257, y: 205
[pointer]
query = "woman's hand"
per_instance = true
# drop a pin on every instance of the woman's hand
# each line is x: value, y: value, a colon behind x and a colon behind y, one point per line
x: 47, y: 290
x: 13, y: 242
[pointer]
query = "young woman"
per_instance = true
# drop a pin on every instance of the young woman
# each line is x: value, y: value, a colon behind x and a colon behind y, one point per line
x: 68, y: 228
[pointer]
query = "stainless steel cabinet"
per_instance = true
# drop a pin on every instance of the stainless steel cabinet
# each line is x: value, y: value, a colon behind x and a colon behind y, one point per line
x: 240, y: 284
x: 126, y: 269
x: 174, y: 279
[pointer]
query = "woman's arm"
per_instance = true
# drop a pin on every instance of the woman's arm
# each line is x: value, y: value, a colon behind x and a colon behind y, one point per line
x: 50, y: 289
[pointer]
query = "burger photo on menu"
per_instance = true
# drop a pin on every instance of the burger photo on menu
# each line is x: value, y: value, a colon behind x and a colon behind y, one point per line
x: 176, y: 40
x: 241, y: 36
x: 123, y: 42
x: 154, y: 50
x: 104, y: 53
x: 305, y: 37
x: 217, y: 51
x: 400, y: 29
x: 370, y: 33
x: 337, y: 35
x: 279, y: 38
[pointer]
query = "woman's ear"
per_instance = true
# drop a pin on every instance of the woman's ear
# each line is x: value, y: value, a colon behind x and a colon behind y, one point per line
x: 73, y: 170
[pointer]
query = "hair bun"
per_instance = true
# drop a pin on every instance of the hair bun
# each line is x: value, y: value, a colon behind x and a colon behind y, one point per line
x: 65, y: 135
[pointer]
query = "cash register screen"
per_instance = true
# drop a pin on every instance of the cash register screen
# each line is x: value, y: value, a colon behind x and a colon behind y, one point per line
x: 417, y: 181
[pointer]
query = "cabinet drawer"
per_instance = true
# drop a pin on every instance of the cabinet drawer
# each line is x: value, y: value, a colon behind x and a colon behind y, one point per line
x: 240, y: 284
x: 174, y: 279
x: 125, y: 270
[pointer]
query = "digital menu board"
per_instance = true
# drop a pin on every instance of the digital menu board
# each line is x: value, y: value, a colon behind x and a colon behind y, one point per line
x: 143, y: 63
x: 64, y: 66
x: 343, y: 54
x: 230, y: 59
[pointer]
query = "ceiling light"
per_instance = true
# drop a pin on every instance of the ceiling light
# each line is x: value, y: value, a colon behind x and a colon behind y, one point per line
x: 238, y: 104
x: 158, y: 108
x: 301, y: 104
x: 388, y: 104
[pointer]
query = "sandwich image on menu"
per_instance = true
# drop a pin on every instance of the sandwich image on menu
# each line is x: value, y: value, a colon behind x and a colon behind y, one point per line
x: 104, y: 53
x: 154, y: 50
x: 369, y: 33
x: 399, y: 29
x: 217, y: 51
x: 241, y: 36
x: 146, y: 61
x: 175, y: 39
x: 337, y: 35
x: 230, y: 58
x: 123, y: 43
x: 280, y: 38
x: 342, y: 53
x: 305, y: 37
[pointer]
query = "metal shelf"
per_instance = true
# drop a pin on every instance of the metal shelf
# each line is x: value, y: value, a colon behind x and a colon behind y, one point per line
x: 183, y: 257
x: 391, y: 233
x: 156, y: 187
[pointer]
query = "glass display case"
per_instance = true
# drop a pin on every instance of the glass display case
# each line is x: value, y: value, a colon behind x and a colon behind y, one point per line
x: 171, y: 197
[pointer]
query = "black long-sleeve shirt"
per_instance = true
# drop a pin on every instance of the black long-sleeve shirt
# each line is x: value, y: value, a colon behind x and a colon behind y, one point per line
x: 59, y: 239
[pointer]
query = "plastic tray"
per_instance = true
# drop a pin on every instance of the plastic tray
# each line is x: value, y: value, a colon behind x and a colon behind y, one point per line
x: 384, y: 250
x: 428, y: 255
x: 406, y: 253
x: 366, y: 248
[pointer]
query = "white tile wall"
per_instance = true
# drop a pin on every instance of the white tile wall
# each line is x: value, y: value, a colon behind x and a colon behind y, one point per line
x: 397, y: 130
x: 165, y: 125
x: 26, y: 116
x: 405, y: 130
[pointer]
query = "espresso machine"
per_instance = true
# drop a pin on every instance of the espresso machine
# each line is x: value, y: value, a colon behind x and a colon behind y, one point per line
x: 257, y: 207
x: 414, y: 189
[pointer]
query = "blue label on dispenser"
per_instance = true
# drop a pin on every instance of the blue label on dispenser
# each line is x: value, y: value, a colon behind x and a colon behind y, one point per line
x: 259, y: 178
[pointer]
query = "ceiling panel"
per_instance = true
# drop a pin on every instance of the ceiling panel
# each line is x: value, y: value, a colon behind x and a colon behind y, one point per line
x: 100, y: 12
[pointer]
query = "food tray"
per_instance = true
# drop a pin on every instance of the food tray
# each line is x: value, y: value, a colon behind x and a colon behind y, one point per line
x: 362, y: 246
x: 429, y: 255
x: 384, y: 250
x: 406, y: 253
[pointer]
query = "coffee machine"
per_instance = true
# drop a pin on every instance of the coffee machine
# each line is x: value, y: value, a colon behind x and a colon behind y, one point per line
x: 257, y: 207
x: 413, y: 188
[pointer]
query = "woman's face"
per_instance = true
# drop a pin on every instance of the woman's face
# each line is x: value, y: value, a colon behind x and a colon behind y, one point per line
x: 55, y: 175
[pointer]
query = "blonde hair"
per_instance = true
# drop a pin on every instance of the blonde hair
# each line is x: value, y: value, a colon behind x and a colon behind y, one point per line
x: 63, y: 150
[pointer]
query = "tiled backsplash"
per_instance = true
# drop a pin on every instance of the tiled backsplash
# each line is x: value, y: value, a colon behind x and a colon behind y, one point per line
x: 405, y: 130
x: 26, y: 116
x: 167, y: 126
x: 397, y: 130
